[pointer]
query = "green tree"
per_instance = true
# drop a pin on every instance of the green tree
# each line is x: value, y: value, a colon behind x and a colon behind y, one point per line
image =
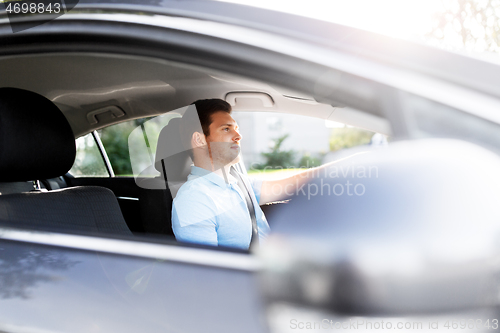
x: 473, y: 23
x: 308, y: 161
x: 278, y: 157
x: 115, y: 141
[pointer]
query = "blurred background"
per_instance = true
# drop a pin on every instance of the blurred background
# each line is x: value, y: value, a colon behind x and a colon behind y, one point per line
x: 469, y: 26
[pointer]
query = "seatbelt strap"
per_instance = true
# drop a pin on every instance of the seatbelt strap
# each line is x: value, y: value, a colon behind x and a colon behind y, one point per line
x: 164, y: 173
x: 251, y: 208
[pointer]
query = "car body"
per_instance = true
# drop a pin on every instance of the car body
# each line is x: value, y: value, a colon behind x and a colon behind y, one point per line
x: 108, y: 62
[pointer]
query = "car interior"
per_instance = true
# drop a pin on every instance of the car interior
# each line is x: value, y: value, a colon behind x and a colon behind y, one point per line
x: 49, y: 100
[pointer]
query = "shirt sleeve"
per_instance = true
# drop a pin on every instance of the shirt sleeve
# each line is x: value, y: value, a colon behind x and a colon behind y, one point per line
x: 194, y: 220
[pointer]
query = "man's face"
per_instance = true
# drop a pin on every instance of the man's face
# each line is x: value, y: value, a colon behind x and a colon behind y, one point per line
x: 224, y: 139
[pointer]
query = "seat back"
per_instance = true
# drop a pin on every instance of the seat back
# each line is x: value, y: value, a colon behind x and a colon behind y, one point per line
x: 36, y: 142
x: 156, y: 195
x: 90, y: 209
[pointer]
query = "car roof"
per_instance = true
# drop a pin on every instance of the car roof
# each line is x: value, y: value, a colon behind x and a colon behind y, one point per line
x: 83, y: 84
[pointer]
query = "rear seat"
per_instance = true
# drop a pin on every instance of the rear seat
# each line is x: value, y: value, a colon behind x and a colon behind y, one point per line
x: 15, y: 187
x: 38, y: 143
x: 20, y: 187
x: 54, y: 183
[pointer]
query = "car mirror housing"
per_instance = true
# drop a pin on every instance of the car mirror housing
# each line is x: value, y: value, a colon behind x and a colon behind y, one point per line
x: 411, y: 228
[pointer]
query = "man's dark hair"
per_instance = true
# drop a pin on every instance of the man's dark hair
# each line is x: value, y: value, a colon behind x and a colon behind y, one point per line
x: 191, y: 120
x: 206, y: 108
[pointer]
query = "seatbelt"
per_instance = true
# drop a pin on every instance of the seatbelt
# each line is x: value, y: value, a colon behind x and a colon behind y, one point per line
x: 251, y: 208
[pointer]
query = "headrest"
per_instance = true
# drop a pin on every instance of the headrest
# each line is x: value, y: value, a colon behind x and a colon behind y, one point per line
x: 36, y: 140
x: 170, y: 149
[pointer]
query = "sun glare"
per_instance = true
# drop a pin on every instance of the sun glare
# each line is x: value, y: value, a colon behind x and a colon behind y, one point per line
x: 406, y: 19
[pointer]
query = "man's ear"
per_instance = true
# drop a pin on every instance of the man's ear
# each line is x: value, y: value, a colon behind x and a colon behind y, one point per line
x: 198, y: 140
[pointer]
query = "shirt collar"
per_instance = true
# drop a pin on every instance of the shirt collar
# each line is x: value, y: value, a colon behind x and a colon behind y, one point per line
x: 211, y: 176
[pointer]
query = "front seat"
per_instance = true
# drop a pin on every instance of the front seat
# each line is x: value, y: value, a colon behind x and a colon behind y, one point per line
x: 36, y: 142
x: 156, y: 194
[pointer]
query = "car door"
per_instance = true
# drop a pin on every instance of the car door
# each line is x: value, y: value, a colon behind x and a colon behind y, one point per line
x: 67, y: 283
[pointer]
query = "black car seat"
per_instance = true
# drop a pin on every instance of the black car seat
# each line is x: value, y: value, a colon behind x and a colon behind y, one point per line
x: 156, y: 194
x: 36, y: 142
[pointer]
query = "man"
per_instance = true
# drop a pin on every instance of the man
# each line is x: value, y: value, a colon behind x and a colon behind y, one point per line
x: 211, y: 207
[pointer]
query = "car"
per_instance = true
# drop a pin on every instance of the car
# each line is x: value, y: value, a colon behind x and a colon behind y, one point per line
x: 408, y: 229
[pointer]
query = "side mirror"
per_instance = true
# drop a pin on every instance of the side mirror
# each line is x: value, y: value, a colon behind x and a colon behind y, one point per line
x: 417, y: 233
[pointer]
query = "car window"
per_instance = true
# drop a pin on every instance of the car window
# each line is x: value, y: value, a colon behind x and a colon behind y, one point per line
x: 121, y: 140
x: 276, y: 145
x: 88, y: 161
x: 143, y: 141
x: 117, y: 142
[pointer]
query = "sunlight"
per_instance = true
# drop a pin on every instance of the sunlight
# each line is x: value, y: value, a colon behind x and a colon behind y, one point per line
x: 334, y: 124
x: 401, y: 19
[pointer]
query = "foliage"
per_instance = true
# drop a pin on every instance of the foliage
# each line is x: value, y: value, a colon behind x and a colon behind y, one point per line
x: 115, y: 141
x: 277, y: 157
x: 308, y: 161
x: 340, y: 138
x: 88, y: 160
x: 473, y: 23
x: 346, y: 137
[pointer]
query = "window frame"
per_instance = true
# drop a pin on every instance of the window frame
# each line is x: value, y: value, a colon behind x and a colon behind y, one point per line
x: 104, y: 155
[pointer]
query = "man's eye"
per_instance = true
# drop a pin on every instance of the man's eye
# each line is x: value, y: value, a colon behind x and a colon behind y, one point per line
x: 226, y: 129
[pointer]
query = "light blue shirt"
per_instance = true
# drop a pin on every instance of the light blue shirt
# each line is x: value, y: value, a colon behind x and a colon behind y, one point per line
x: 207, y: 210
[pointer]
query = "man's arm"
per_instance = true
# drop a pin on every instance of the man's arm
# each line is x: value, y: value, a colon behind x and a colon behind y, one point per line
x: 194, y: 221
x: 276, y: 190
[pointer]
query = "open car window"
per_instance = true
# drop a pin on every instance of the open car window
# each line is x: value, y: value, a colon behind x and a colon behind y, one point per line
x: 277, y: 145
x: 274, y: 145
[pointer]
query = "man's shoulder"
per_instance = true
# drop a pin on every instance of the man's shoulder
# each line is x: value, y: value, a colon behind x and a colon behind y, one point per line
x: 193, y: 203
x: 193, y: 189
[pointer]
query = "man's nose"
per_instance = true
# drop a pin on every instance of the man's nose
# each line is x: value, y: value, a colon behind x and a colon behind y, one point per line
x: 237, y: 137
